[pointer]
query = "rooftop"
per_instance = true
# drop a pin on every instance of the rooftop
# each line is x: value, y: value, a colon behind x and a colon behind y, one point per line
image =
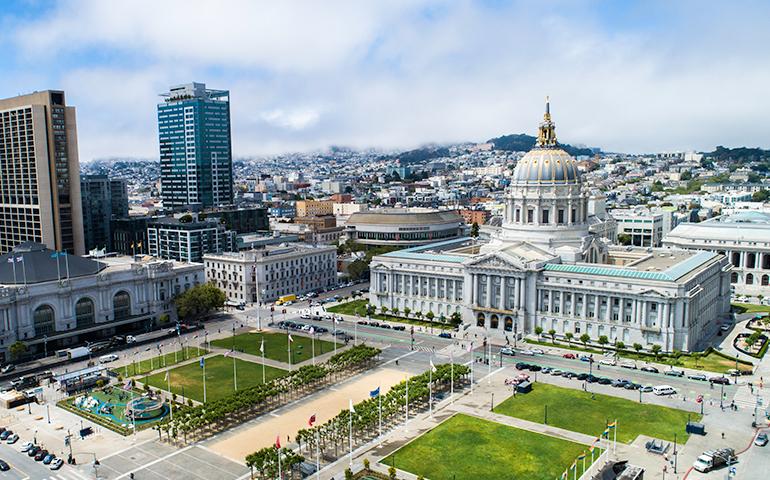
x: 403, y: 216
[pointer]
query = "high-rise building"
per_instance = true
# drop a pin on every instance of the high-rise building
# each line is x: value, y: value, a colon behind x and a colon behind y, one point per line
x: 195, y: 149
x: 103, y: 200
x: 39, y: 173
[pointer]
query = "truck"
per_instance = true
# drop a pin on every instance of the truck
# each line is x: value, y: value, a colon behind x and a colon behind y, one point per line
x: 77, y: 352
x: 714, y: 459
x: 285, y: 299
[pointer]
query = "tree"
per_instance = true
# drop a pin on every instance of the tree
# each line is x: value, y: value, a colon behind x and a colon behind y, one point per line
x: 392, y: 472
x: 569, y: 336
x: 418, y: 315
x: 656, y: 350
x: 17, y: 349
x: 603, y: 340
x: 394, y: 311
x: 638, y: 347
x: 538, y: 331
x: 366, y: 464
x: 760, y: 196
x: 384, y: 309
x: 686, y: 175
x: 474, y: 230
x: 624, y: 239
x: 585, y: 338
x: 370, y: 309
x: 407, y: 311
x: 620, y: 345
x: 430, y: 316
x: 186, y: 218
x: 200, y: 300
x: 348, y: 474
x: 696, y: 356
x: 456, y: 318
x: 358, y: 269
x: 552, y: 334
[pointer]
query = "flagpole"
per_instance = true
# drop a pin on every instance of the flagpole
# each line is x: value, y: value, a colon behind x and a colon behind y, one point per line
x: 58, y: 268
x: 379, y: 399
x: 263, y: 360
x: 67, y: 264
x: 452, y: 378
x: 317, y: 454
x: 584, y: 463
x: 312, y: 341
x: 615, y: 437
x: 204, y: 381
x: 24, y: 269
x: 430, y: 391
x: 13, y: 264
x: 289, y: 342
x: 168, y: 383
x: 279, y: 463
x: 350, y: 431
x: 406, y: 421
x: 235, y: 375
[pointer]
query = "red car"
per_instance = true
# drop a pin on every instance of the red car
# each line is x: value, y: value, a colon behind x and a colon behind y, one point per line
x: 569, y: 355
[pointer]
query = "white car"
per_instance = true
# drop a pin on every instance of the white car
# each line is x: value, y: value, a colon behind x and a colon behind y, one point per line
x: 538, y: 351
x: 663, y: 390
x: 527, y: 352
x: 305, y: 316
x: 108, y: 358
x: 608, y: 361
x: 507, y: 351
x: 56, y: 464
x: 26, y: 446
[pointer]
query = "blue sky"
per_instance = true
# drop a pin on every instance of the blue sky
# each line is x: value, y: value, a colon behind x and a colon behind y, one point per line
x: 623, y: 75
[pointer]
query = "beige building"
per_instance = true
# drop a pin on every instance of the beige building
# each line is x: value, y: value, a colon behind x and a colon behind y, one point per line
x: 40, y: 173
x: 314, y: 208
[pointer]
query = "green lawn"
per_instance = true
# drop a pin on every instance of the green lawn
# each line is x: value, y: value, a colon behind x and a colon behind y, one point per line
x: 350, y: 308
x: 159, y: 361
x: 575, y: 410
x: 750, y: 307
x: 276, y: 346
x: 219, y: 377
x: 465, y: 447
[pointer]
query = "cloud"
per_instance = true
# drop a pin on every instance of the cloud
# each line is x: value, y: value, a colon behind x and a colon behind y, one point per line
x: 649, y: 76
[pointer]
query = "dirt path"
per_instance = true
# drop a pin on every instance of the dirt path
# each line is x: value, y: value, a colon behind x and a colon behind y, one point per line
x: 288, y: 422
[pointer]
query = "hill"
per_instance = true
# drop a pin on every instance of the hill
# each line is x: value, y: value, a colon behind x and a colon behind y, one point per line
x: 523, y: 143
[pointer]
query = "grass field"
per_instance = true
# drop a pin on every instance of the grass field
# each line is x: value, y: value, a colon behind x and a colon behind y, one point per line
x: 276, y: 346
x: 219, y: 377
x: 575, y: 410
x: 359, y: 307
x: 159, y: 361
x: 469, y: 447
x: 750, y: 307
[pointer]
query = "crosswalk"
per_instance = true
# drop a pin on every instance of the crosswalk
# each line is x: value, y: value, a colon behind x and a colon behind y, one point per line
x: 68, y: 474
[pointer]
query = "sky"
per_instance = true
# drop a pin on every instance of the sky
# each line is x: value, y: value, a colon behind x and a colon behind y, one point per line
x: 647, y: 76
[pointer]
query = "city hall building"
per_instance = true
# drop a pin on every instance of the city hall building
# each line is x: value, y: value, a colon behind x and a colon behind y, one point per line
x: 543, y: 268
x: 51, y: 302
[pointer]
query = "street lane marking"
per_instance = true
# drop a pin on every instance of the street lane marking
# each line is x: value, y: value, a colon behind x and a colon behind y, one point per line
x: 157, y: 460
x: 126, y: 449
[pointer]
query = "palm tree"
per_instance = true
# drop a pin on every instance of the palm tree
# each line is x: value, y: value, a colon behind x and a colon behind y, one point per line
x: 585, y: 338
x: 552, y: 334
x: 569, y: 336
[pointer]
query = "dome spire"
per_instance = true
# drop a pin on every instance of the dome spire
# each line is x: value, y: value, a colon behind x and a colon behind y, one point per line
x: 546, y: 135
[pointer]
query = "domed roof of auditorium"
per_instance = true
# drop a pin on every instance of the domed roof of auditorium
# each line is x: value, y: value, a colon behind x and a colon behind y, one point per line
x: 546, y: 163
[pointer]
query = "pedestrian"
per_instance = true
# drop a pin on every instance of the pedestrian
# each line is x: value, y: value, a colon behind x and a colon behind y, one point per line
x: 723, y: 435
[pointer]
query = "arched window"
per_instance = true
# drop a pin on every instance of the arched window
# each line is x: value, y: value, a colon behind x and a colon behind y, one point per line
x: 751, y: 259
x: 44, y: 320
x: 765, y: 280
x: 480, y: 320
x: 766, y: 261
x: 84, y: 313
x: 121, y: 305
x: 508, y: 325
x: 734, y: 277
x: 494, y: 322
x: 749, y: 279
x: 736, y: 259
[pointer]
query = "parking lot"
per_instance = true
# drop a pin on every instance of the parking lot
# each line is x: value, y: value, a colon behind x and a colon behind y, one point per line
x: 25, y: 467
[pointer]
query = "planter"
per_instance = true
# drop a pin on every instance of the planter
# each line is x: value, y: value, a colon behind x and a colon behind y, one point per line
x: 757, y: 350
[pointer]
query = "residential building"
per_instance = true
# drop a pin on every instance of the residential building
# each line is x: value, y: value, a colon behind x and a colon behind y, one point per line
x: 241, y: 220
x: 314, y: 208
x: 195, y: 147
x: 544, y: 268
x: 744, y: 238
x: 40, y: 173
x: 646, y: 227
x: 477, y: 216
x: 187, y: 240
x: 264, y: 274
x: 102, y: 199
x: 403, y: 226
x: 51, y: 303
x: 129, y: 235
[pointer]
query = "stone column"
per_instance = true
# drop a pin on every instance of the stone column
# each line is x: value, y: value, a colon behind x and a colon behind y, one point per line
x: 474, y: 290
x: 644, y: 313
x: 621, y: 309
x: 634, y: 311
x: 585, y: 305
x: 503, y: 299
x: 667, y: 314
x: 597, y: 306
x: 488, y: 300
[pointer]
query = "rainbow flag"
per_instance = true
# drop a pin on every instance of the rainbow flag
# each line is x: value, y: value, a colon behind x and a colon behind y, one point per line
x: 582, y: 456
x: 564, y: 475
x: 574, y: 465
x: 606, y: 433
x: 612, y: 425
x: 591, y: 449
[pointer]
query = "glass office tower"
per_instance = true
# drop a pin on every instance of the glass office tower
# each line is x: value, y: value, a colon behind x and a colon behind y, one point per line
x: 196, y: 160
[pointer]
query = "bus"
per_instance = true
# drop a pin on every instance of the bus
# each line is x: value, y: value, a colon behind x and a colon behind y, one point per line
x: 285, y: 299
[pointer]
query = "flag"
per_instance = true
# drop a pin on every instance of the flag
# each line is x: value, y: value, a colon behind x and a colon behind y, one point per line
x: 139, y: 245
x: 20, y: 259
x: 432, y: 367
x: 10, y: 259
x: 311, y: 420
x: 375, y: 392
x: 278, y: 442
x: 203, y: 362
x: 611, y: 425
x: 591, y: 448
x: 229, y: 353
x: 55, y: 255
x: 564, y: 475
x: 352, y: 410
x: 291, y: 339
x: 262, y: 347
x: 132, y: 244
x: 606, y: 433
x: 166, y: 379
x: 574, y: 465
x: 582, y: 456
x: 311, y: 331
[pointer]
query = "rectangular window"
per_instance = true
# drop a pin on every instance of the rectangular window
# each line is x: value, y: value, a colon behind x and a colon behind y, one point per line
x: 545, y: 216
x: 561, y: 216
x: 530, y: 216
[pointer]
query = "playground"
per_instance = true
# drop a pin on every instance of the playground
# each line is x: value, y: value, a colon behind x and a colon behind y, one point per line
x: 115, y: 408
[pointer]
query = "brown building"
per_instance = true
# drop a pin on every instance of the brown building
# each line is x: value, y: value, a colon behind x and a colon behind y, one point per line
x: 40, y: 173
x: 314, y: 208
x: 479, y: 217
x: 341, y: 198
x: 326, y: 221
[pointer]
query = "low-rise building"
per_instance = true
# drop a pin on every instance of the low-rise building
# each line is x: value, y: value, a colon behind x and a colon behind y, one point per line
x: 477, y: 216
x: 51, y: 302
x: 264, y: 274
x: 187, y: 241
x: 646, y: 227
x: 313, y: 208
x: 403, y: 227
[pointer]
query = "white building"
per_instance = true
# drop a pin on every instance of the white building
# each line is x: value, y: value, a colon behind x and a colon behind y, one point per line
x: 744, y: 238
x: 645, y: 226
x: 50, y: 303
x: 265, y: 274
x: 403, y: 226
x: 543, y: 268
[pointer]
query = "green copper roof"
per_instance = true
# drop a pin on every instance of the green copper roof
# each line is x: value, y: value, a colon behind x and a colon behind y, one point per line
x: 669, y: 275
x: 419, y: 253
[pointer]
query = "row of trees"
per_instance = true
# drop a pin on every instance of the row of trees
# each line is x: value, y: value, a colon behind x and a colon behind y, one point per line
x: 456, y: 318
x: 603, y: 340
x: 199, y: 421
x: 333, y: 436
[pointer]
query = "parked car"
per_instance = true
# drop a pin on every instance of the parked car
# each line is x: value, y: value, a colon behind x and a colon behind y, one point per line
x: 592, y: 379
x: 12, y: 439
x: 649, y: 369
x: 571, y: 356
x: 546, y: 370
x: 538, y: 351
x: 761, y: 439
x: 569, y: 374
x: 632, y: 386
x: 663, y: 390
x: 26, y: 446
x: 527, y: 352
x: 6, y: 434
x: 697, y: 376
x: 56, y: 464
x: 582, y: 376
x: 49, y: 458
x: 646, y: 388
x: 445, y: 335
x: 39, y: 456
x: 605, y: 381
x: 586, y: 358
x: 535, y: 368
x: 556, y: 372
x: 507, y: 351
x: 522, y: 366
x: 108, y: 358
x: 674, y: 373
x: 720, y: 380
x: 4, y: 466
x: 629, y: 365
x: 608, y: 361
x: 8, y: 368
x: 619, y: 383
x: 33, y: 451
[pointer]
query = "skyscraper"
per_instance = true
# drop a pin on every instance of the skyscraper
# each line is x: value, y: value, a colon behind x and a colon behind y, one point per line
x: 103, y: 200
x: 39, y: 173
x: 196, y: 162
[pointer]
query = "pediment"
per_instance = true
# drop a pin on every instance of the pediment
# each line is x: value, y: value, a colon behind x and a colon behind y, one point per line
x: 651, y: 292
x: 497, y: 261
